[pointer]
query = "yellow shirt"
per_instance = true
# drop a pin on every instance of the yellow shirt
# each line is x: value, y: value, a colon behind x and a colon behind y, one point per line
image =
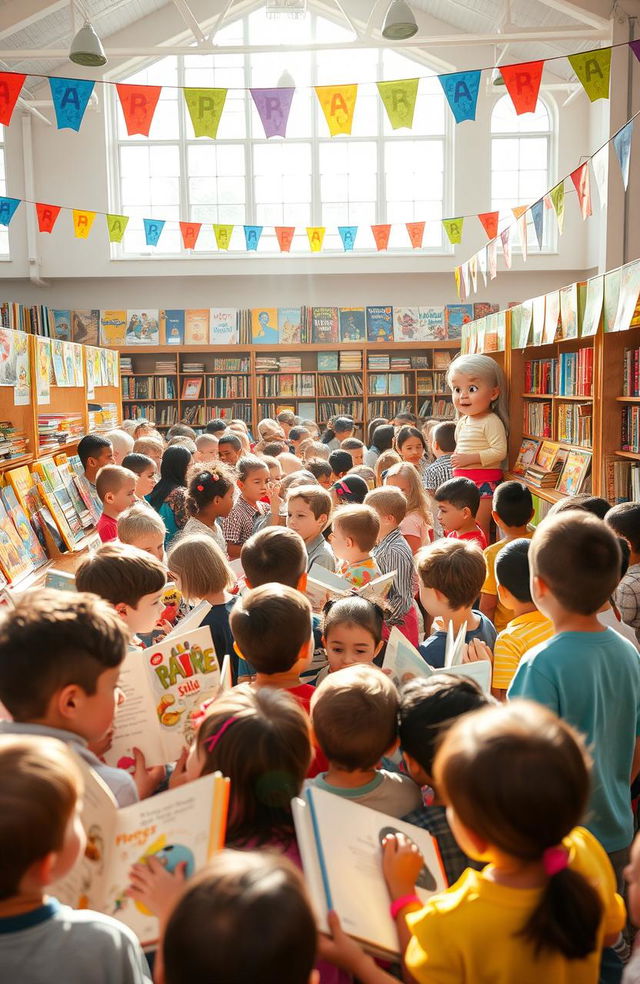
x: 501, y: 615
x: 521, y: 634
x: 484, y: 436
x: 468, y: 934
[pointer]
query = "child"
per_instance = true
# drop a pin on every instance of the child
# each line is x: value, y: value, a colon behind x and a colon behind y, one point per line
x: 95, y: 452
x: 384, y: 463
x: 41, y: 838
x: 316, y: 449
x: 169, y: 495
x: 411, y: 447
x: 354, y: 717
x: 229, y: 448
x: 275, y: 471
x: 240, y: 522
x: 458, y: 502
x: 321, y: 471
x: 355, y: 448
x: 116, y: 489
x: 141, y: 527
x: 343, y: 428
x: 297, y: 436
x: 206, y: 449
x: 209, y: 498
x: 349, y: 490
x: 353, y: 537
x: 443, y: 444
x: 589, y: 674
x: 351, y: 633
x: 512, y: 512
x: 624, y: 519
x: 145, y: 470
x: 60, y: 656
x: 152, y: 447
x: 451, y: 574
x: 417, y: 525
x: 392, y: 553
x: 365, y: 473
x: 341, y: 462
x: 122, y: 444
x: 308, y: 512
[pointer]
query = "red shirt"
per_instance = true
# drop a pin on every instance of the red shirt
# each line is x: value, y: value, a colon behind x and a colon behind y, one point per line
x: 303, y: 695
x: 476, y: 534
x: 107, y: 527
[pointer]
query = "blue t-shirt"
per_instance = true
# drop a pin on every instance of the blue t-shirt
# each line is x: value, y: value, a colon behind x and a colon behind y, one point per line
x: 433, y: 649
x: 592, y: 681
x: 217, y: 619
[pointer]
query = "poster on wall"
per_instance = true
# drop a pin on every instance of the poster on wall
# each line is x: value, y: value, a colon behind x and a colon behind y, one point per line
x: 142, y: 327
x: 22, y: 389
x: 8, y: 365
x: 43, y: 371
x: 91, y: 379
x: 59, y: 368
x: 62, y: 325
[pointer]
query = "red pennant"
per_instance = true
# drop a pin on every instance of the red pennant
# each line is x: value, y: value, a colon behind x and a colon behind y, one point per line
x: 381, y: 235
x: 285, y: 236
x: 489, y: 222
x: 190, y: 232
x: 416, y: 233
x: 523, y: 84
x: 580, y: 178
x: 10, y: 85
x: 138, y: 105
x: 47, y: 215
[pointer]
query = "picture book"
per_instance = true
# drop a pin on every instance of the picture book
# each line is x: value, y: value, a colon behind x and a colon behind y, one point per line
x: 113, y: 326
x: 353, y: 326
x: 526, y: 456
x: 223, y: 326
x: 306, y: 411
x: 482, y: 308
x: 406, y: 324
x: 191, y: 388
x: 43, y: 369
x: 192, y: 620
x: 196, y: 326
x: 593, y: 306
x: 85, y: 326
x: 85, y: 490
x: 185, y: 825
x: 15, y: 560
x: 323, y: 584
x: 42, y: 522
x: 441, y: 359
x: 547, y: 455
x: 60, y: 580
x: 457, y: 315
x: 339, y: 843
x: 539, y: 314
x: 432, y: 326
x: 551, y: 317
x: 324, y: 325
x: 379, y: 324
x: 569, y: 311
x: 79, y: 501
x: 68, y: 536
x: 612, y: 282
x: 290, y: 325
x: 403, y: 661
x: 264, y: 326
x: 162, y: 686
x: 172, y: 327
x: 21, y: 481
x: 629, y: 291
x: 574, y: 472
x: 142, y: 327
x: 59, y: 366
x: 62, y: 325
x: 23, y: 527
x: 327, y: 361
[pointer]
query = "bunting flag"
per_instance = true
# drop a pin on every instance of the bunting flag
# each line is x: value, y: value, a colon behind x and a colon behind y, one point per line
x: 273, y: 107
x: 580, y: 178
x: 315, y: 235
x: 622, y: 147
x: 252, y: 235
x: 82, y: 222
x: 557, y: 200
x: 285, y: 236
x: 348, y: 236
x: 492, y: 258
x: 505, y: 237
x: 153, y: 230
x: 635, y: 47
x: 473, y: 273
x: 482, y: 264
x: 461, y: 90
x: 138, y: 105
x: 464, y: 270
x: 537, y: 215
x: 47, y: 215
x: 489, y: 222
x: 8, y: 208
x: 593, y: 68
x: 416, y: 233
x: 600, y: 164
x: 381, y: 235
x: 338, y: 103
x: 523, y: 84
x: 453, y: 229
x: 205, y: 109
x: 190, y: 232
x: 458, y: 275
x: 399, y: 100
x: 116, y: 225
x: 10, y: 85
x: 223, y: 235
x: 70, y: 100
x: 520, y: 215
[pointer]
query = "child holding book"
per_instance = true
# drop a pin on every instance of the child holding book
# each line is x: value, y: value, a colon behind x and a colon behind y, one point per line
x: 308, y: 511
x: 458, y: 503
x: 354, y: 534
x: 417, y: 525
x: 240, y: 522
x: 210, y: 497
x: 512, y: 512
x: 624, y: 519
x: 392, y: 553
x: 141, y: 527
x: 116, y: 489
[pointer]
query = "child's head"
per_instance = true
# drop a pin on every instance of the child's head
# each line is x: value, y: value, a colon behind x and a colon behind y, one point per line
x: 354, y: 715
x: 585, y: 502
x: 405, y: 418
x: 130, y: 579
x: 216, y: 426
x: 269, y: 429
x: 321, y: 471
x: 275, y: 553
x: 273, y: 448
x: 152, y: 447
x: 199, y: 567
x: 95, y: 451
x: 240, y: 898
x: 182, y: 442
x: 316, y: 449
x: 295, y: 480
x: 512, y: 573
x: 516, y: 781
x: 355, y: 449
x: 210, y: 492
x: 406, y: 477
x: 60, y: 656
x: 410, y: 444
x: 258, y: 622
x: 143, y: 428
x: 181, y: 430
x: 458, y: 502
x: 383, y: 437
x: 384, y: 463
x: 116, y: 489
x: 41, y: 834
x: 289, y: 463
x: 141, y: 527
x: 341, y: 462
x: 575, y: 564
x: 478, y: 386
x: 343, y: 427
x: 144, y: 468
x: 253, y: 477
x: 365, y: 473
x: 287, y: 419
x: 308, y: 511
x: 349, y: 489
x: 391, y: 507
x: 229, y: 448
x: 297, y: 435
x: 443, y: 437
x: 206, y: 448
x: 354, y: 532
x: 624, y: 519
x: 122, y: 444
x: 352, y: 631
x: 373, y: 424
x: 275, y: 471
x: 512, y: 506
x: 452, y: 573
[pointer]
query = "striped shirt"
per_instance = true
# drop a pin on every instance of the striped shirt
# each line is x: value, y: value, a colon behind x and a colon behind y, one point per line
x: 627, y: 598
x: 521, y: 634
x: 484, y: 436
x: 239, y: 525
x: 394, y: 554
x: 437, y: 472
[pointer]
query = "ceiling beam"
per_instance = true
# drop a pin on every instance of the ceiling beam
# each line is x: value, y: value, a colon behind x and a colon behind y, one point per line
x: 188, y: 17
x: 583, y: 12
x: 18, y: 14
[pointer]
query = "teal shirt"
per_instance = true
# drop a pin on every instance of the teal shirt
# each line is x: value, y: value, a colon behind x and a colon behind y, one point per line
x: 592, y: 681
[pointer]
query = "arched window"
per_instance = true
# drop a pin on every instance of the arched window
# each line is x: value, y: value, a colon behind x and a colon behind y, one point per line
x: 521, y: 170
x: 376, y: 175
x: 4, y: 230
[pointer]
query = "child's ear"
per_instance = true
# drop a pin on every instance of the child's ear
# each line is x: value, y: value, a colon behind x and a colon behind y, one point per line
x: 495, y: 517
x: 504, y: 596
x: 302, y: 583
x: 539, y: 588
x: 108, y: 497
x: 466, y: 512
x: 68, y: 700
x: 122, y: 609
x: 377, y: 649
x: 40, y: 873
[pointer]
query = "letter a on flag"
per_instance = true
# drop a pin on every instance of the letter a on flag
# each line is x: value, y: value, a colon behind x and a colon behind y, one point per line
x: 338, y: 103
x: 285, y: 236
x: 47, y: 215
x: 348, y: 236
x: 416, y: 233
x: 381, y: 235
x: 489, y: 222
x: 138, y: 105
x: 399, y: 99
x: 8, y: 208
x: 315, y: 235
x: 205, y: 109
x: 523, y: 84
x: 116, y: 225
x: 190, y: 232
x: 593, y: 68
x: 10, y: 85
x: 70, y: 99
x: 461, y: 90
x: 82, y: 222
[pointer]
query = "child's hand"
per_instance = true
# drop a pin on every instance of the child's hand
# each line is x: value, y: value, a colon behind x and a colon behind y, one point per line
x: 162, y: 628
x: 463, y: 460
x: 342, y: 951
x: 151, y: 884
x: 275, y: 499
x: 476, y: 651
x: 179, y: 774
x: 146, y: 779
x: 401, y: 864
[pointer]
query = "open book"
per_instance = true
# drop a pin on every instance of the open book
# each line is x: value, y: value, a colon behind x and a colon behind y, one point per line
x: 186, y: 824
x: 403, y: 661
x: 340, y: 845
x: 192, y: 620
x: 323, y: 584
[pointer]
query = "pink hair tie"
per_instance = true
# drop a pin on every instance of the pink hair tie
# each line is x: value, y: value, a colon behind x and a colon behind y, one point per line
x: 554, y: 860
x: 211, y: 742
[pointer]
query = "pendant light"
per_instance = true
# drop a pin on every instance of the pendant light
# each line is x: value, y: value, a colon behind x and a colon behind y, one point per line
x: 399, y: 23
x: 86, y: 47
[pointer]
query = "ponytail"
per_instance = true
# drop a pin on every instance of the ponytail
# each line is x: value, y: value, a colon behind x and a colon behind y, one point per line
x: 566, y: 918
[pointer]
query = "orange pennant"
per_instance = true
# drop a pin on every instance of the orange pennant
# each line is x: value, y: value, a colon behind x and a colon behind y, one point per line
x: 580, y: 178
x: 523, y: 84
x: 47, y: 215
x: 138, y: 105
x: 190, y: 232
x: 285, y: 236
x: 489, y: 222
x: 381, y: 235
x: 416, y: 233
x: 10, y: 85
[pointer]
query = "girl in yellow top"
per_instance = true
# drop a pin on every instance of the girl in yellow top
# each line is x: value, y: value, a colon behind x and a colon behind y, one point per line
x: 516, y: 781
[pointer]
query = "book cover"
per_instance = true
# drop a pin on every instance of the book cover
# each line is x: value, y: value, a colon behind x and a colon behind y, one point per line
x: 113, y: 327
x: 432, y: 326
x: 406, y: 324
x: 85, y: 326
x: 629, y: 291
x: 172, y: 327
x: 403, y: 662
x: 196, y: 326
x: 23, y: 527
x: 223, y: 326
x: 59, y: 365
x: 574, y: 472
x: 21, y: 481
x: 191, y: 388
x: 547, y: 455
x: 15, y: 560
x: 569, y: 311
x: 379, y: 324
x: 53, y: 507
x: 264, y: 326
x: 526, y: 456
x: 593, y: 307
x: 551, y: 317
x: 457, y: 315
x: 142, y: 327
x: 353, y: 326
x: 612, y: 283
x: 323, y: 584
x: 290, y: 325
x: 324, y: 325
x: 62, y: 325
x: 482, y: 308
x: 327, y: 361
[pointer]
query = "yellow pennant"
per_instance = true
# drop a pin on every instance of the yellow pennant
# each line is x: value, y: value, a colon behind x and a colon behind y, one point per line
x: 315, y: 235
x: 399, y: 99
x: 223, y: 235
x: 82, y: 222
x: 593, y: 68
x: 338, y: 103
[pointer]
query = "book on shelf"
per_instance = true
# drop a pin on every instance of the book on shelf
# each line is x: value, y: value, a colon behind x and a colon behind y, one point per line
x: 457, y: 315
x: 264, y: 326
x: 85, y: 326
x: 622, y: 480
x: 324, y: 325
x: 406, y: 324
x: 631, y: 372
x: 541, y: 376
x: 379, y: 324
x: 441, y: 409
x: 575, y: 423
x: 442, y: 359
x: 290, y: 363
x: 543, y: 478
x: 537, y: 417
x: 231, y: 364
x: 403, y: 662
x: 191, y: 388
x: 15, y: 559
x: 327, y: 361
x: 290, y: 325
x: 62, y: 325
x: 432, y: 324
x: 526, y: 456
x: 576, y: 373
x: 267, y: 363
x: 353, y: 326
x: 350, y: 361
x: 142, y: 327
x: 192, y: 367
x: 575, y: 472
x: 172, y: 327
x: 306, y: 411
x: 630, y: 432
x: 223, y: 326
x: 483, y: 308
x: 35, y: 550
x: 571, y: 307
x: 196, y: 326
x: 378, y: 362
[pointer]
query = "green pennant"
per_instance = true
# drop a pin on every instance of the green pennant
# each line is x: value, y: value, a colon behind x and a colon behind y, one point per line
x: 223, y: 235
x: 557, y: 199
x: 399, y: 100
x: 593, y: 68
x: 453, y: 229
x: 205, y: 109
x: 116, y: 224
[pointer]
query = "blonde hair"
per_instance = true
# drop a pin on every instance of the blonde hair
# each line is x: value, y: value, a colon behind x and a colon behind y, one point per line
x: 388, y: 501
x: 203, y: 440
x: 143, y: 445
x: 201, y: 566
x: 416, y: 497
x: 366, y: 473
x: 484, y: 367
x: 385, y: 461
x: 139, y: 520
x: 111, y: 478
x: 315, y: 449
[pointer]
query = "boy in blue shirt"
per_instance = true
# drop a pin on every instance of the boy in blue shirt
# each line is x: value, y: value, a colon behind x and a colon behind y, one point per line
x: 587, y: 674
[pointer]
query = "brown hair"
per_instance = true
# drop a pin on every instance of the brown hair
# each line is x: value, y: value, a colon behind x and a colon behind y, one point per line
x: 271, y: 624
x: 265, y: 752
x: 624, y: 520
x: 578, y: 557
x: 364, y: 472
x: 388, y: 501
x: 317, y: 498
x: 456, y: 568
x: 384, y: 461
x: 361, y: 523
x: 354, y: 714
x: 274, y: 554
x: 121, y: 574
x: 39, y: 786
x: 111, y: 478
x: 52, y: 639
x: 143, y: 445
x: 138, y: 520
x: 207, y: 482
x: 518, y: 776
x: 201, y: 566
x: 318, y: 467
x: 316, y: 449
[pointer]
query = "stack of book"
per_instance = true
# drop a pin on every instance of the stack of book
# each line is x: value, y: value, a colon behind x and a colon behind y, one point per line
x: 399, y: 362
x: 166, y: 365
x: 103, y: 417
x: 195, y: 367
x: 126, y: 365
x: 290, y: 363
x: 55, y: 429
x: 267, y: 363
x: 13, y: 443
x: 378, y: 362
x: 351, y: 361
x: 541, y: 478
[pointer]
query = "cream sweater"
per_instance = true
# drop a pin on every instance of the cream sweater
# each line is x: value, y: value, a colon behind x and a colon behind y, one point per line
x: 484, y: 436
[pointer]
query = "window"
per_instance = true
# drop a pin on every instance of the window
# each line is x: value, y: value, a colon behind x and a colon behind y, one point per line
x: 4, y: 230
x: 520, y: 162
x: 375, y: 175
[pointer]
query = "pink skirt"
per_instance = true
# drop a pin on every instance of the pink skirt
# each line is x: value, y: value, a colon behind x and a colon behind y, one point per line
x: 486, y: 479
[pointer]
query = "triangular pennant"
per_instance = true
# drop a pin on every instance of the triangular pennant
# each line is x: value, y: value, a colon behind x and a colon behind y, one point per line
x: 557, y: 200
x: 523, y: 232
x: 381, y: 235
x: 153, y: 230
x: 453, y: 229
x: 416, y: 233
x: 284, y: 235
x: 116, y: 224
x: 482, y: 264
x: 138, y: 105
x: 593, y: 68
x: 580, y: 178
x: 10, y: 85
x: 600, y: 165
x: 473, y: 272
x: 315, y: 235
x: 205, y: 109
x: 338, y: 103
x: 457, y: 273
x: 70, y: 99
x: 464, y: 270
x: 622, y: 147
x: 523, y: 84
x: 537, y: 214
x: 47, y: 215
x: 273, y: 107
x: 489, y: 222
x: 223, y: 235
x: 519, y: 210
x: 8, y: 208
x: 461, y: 90
x: 635, y: 47
x: 190, y: 232
x: 399, y: 99
x: 492, y: 258
x: 505, y: 236
x: 252, y: 235
x: 348, y: 236
x: 82, y: 222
